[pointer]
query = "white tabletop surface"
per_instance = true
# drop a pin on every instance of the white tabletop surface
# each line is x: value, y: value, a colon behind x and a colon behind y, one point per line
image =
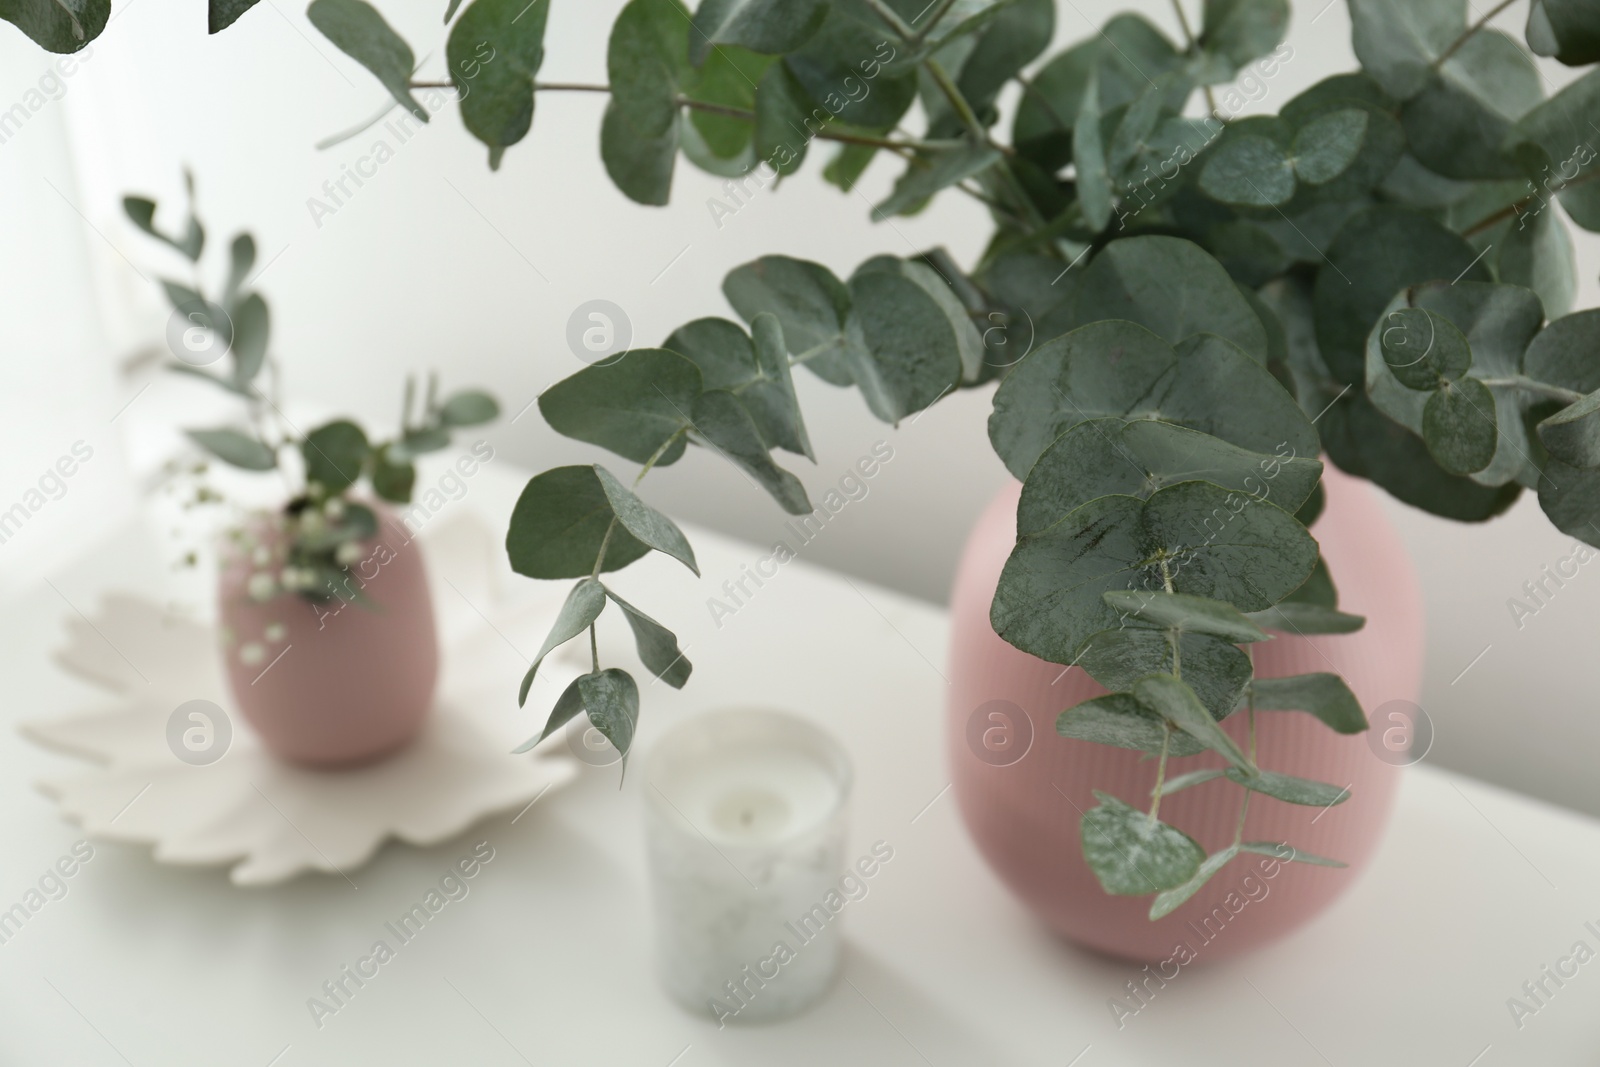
x: 547, y: 959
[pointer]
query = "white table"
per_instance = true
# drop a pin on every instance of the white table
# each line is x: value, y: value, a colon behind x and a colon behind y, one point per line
x: 546, y: 961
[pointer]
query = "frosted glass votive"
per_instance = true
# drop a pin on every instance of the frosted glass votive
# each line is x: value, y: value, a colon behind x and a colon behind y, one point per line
x: 745, y: 826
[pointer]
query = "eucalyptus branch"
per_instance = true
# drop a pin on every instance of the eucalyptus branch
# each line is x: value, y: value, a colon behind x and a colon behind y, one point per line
x: 939, y: 11
x: 605, y: 542
x: 651, y: 462
x: 893, y: 20
x: 1161, y: 770
x: 1543, y: 389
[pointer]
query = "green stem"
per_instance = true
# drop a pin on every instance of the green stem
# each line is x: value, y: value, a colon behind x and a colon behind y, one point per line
x: 1468, y: 34
x: 938, y: 13
x: 600, y: 557
x: 594, y: 649
x: 651, y: 462
x: 1550, y: 392
x: 1161, y: 770
x: 893, y: 20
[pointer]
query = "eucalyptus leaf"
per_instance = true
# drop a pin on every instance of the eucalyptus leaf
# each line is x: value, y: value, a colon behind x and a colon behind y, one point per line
x: 1423, y: 349
x: 1325, y: 147
x: 637, y: 405
x: 361, y: 33
x: 1287, y: 853
x: 1172, y: 699
x: 1119, y: 720
x: 241, y: 258
x: 1178, y: 783
x: 1569, y: 30
x: 724, y: 424
x: 1324, y: 695
x: 469, y: 407
x: 657, y: 645
x: 1248, y: 171
x: 1459, y: 425
x: 235, y: 448
x: 933, y: 170
x: 1242, y: 30
x: 1398, y: 43
x: 582, y: 607
x: 335, y: 454
x: 252, y: 326
x: 392, y: 479
x: 648, y: 62
x: 1567, y: 149
x: 1458, y: 123
x: 903, y: 350
x: 567, y: 706
x: 1573, y: 434
x: 1216, y: 670
x: 141, y: 211
x: 810, y: 304
x: 1132, y: 854
x: 62, y: 26
x: 1166, y: 903
x: 1289, y: 789
x: 611, y: 698
x: 1171, y: 287
x: 786, y: 120
x: 1089, y: 157
x: 220, y: 14
x: 560, y: 521
x: 769, y: 26
x: 1187, y: 614
x: 647, y: 525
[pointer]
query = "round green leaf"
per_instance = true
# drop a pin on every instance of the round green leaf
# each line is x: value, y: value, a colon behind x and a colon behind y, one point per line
x: 1248, y: 171
x: 1458, y: 424
x: 1132, y: 854
x: 632, y: 406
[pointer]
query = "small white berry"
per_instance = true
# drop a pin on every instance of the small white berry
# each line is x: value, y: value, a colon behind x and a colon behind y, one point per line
x: 252, y: 654
x: 261, y: 586
x: 275, y: 631
x: 261, y: 556
x: 334, y: 509
x: 348, y: 553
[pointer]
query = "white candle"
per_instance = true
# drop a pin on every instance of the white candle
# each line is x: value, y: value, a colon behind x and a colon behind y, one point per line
x: 746, y: 826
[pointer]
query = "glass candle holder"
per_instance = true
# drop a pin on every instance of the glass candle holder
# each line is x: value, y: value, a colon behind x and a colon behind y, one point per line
x: 746, y: 828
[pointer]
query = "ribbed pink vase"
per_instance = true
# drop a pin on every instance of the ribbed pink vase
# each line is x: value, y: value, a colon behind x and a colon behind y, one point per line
x: 332, y: 684
x: 1024, y: 815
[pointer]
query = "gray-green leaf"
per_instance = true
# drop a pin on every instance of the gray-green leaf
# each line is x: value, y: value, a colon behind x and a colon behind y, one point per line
x: 1132, y: 854
x: 722, y: 421
x: 334, y: 455
x: 635, y: 405
x: 657, y: 645
x: 612, y: 700
x: 361, y: 33
x: 583, y: 606
x: 1324, y: 695
x: 1459, y: 426
x: 235, y: 448
x: 1166, y: 903
x: 1188, y: 614
x: 1289, y: 789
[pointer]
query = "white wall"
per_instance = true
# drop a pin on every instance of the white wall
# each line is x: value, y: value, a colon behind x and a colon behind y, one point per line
x: 436, y: 262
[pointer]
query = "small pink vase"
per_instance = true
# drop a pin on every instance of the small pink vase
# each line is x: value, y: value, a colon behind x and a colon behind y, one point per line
x: 332, y: 684
x: 1024, y: 816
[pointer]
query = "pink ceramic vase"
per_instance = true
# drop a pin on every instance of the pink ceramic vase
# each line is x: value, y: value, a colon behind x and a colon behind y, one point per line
x: 332, y: 683
x: 1025, y: 815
